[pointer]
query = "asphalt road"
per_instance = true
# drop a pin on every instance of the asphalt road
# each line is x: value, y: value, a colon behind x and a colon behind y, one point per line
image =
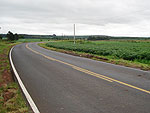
x: 61, y: 83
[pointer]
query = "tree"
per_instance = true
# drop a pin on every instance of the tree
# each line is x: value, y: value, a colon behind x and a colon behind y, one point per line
x: 1, y: 37
x: 10, y: 36
x: 54, y: 35
x: 21, y: 37
x: 16, y: 37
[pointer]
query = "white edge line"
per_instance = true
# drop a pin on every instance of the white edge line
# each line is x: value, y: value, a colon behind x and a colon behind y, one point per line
x: 27, y: 95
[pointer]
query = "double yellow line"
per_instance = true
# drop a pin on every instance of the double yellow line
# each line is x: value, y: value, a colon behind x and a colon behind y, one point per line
x: 89, y: 72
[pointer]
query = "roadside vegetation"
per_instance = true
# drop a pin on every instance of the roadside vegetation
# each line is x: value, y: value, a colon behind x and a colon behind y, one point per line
x: 132, y: 53
x: 11, y: 99
x: 32, y: 40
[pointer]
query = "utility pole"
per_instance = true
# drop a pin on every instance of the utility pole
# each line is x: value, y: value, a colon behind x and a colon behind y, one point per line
x: 74, y: 33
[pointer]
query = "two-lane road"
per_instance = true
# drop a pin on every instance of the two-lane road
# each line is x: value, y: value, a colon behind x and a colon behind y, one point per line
x: 61, y: 83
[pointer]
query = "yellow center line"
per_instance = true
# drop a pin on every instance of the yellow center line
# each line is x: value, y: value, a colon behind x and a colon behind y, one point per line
x: 91, y: 73
x: 109, y: 79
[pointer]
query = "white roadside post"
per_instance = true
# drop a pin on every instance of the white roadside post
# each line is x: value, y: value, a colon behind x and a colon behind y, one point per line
x: 74, y: 33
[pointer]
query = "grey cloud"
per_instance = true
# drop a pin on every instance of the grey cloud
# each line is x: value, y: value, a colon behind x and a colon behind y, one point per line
x: 54, y: 14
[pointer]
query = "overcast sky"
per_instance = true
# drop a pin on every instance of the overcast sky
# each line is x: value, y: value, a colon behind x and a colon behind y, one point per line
x: 99, y: 17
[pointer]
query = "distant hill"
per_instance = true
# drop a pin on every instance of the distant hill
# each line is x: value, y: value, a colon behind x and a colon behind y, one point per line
x: 105, y: 37
x: 87, y: 37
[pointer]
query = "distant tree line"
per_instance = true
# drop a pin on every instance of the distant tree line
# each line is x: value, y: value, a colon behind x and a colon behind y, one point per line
x: 104, y: 37
x: 10, y: 36
x: 1, y: 37
x: 26, y: 36
x: 99, y: 37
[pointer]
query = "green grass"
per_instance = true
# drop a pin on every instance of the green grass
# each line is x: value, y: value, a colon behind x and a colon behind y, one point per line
x: 32, y: 40
x: 16, y: 102
x: 129, y: 53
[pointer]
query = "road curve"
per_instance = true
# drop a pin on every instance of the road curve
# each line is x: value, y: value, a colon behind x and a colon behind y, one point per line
x: 61, y: 83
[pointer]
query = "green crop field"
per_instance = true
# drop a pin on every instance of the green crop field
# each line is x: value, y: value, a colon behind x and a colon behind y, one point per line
x: 138, y: 51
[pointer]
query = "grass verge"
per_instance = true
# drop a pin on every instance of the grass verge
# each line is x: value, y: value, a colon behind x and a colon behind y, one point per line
x: 32, y: 40
x: 107, y: 59
x: 11, y: 99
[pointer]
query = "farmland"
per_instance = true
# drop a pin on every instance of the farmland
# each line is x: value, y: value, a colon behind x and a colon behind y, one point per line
x: 135, y: 51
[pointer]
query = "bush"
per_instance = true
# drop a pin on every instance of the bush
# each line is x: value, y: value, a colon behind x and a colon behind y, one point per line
x: 1, y: 37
